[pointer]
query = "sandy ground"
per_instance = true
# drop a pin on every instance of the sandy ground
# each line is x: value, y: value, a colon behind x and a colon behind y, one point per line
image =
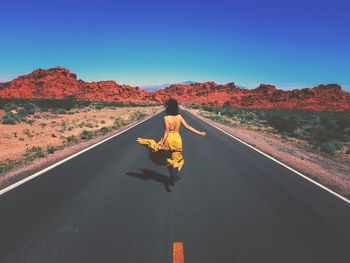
x: 331, y: 172
x: 53, y: 130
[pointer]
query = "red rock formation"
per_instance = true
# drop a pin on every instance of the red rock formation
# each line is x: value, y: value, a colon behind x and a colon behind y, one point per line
x: 322, y: 98
x: 59, y: 83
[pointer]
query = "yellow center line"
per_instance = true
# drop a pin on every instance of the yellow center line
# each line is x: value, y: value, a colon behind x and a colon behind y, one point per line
x: 178, y: 252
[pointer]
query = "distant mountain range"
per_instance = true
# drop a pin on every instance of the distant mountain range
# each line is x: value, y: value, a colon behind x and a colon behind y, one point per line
x: 161, y: 86
x: 61, y: 83
x: 241, y: 87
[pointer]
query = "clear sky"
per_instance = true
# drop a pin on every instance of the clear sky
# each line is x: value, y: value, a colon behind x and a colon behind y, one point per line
x: 291, y: 43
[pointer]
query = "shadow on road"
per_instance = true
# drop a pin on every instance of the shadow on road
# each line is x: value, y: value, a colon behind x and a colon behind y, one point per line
x: 147, y: 174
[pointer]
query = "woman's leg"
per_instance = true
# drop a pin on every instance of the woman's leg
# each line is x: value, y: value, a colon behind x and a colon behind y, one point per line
x: 172, y: 176
x: 176, y: 172
x: 170, y: 170
x: 178, y: 162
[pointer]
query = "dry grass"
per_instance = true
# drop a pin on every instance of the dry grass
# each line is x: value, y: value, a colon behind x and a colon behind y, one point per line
x: 51, y: 131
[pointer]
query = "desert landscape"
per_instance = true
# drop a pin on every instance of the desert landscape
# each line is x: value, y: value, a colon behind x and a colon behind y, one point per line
x: 45, y: 111
x: 29, y: 133
x: 175, y: 131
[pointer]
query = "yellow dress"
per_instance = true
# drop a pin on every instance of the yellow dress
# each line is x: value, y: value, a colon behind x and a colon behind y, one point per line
x: 171, y: 152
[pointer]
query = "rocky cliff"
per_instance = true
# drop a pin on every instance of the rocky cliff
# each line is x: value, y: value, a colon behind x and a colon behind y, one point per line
x: 59, y: 83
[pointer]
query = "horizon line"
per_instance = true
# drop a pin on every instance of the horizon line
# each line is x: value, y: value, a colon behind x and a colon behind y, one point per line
x: 248, y: 85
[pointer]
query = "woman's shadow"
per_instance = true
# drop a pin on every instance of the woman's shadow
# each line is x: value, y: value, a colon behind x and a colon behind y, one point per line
x: 146, y: 174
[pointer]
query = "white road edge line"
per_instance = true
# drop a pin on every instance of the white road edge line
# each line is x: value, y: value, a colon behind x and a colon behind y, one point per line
x: 13, y: 186
x: 272, y: 158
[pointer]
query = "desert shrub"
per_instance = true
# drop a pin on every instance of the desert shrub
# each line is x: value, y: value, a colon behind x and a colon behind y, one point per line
x: 27, y: 132
x: 5, y: 167
x: 104, y: 130
x: 20, y: 113
x: 345, y: 138
x: 298, y: 134
x: 324, y: 134
x: 30, y: 121
x: 249, y: 116
x: 9, y: 118
x: 86, y: 135
x: 58, y: 111
x: 89, y: 125
x: 50, y: 149
x: 34, y: 152
x: 43, y: 124
x: 23, y: 112
x: 282, y: 123
x: 330, y: 147
x: 31, y: 108
x: 99, y: 106
x: 71, y: 138
x: 10, y: 106
x: 284, y: 136
x: 118, y: 122
x: 138, y: 115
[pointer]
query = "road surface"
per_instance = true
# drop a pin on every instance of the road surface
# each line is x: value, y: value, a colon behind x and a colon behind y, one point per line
x: 111, y: 204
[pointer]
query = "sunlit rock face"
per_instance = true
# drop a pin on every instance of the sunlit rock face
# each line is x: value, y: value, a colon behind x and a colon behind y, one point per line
x: 322, y: 98
x: 60, y: 83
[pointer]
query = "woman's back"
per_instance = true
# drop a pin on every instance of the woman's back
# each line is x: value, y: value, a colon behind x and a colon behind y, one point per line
x: 174, y: 122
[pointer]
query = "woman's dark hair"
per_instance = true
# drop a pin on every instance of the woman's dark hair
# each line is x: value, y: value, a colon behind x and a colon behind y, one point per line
x: 172, y: 107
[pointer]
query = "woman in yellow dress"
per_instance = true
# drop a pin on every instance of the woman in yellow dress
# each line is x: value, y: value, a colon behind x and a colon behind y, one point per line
x: 168, y: 151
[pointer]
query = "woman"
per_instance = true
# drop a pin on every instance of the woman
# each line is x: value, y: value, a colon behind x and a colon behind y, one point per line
x: 168, y: 151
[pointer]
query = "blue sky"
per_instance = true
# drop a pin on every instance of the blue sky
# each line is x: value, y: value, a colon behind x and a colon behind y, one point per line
x: 286, y: 43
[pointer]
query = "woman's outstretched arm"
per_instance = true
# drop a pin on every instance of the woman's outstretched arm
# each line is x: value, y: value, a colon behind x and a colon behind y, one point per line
x: 190, y: 128
x: 165, y: 136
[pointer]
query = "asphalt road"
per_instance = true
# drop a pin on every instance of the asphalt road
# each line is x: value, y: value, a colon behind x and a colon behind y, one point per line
x: 111, y: 204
